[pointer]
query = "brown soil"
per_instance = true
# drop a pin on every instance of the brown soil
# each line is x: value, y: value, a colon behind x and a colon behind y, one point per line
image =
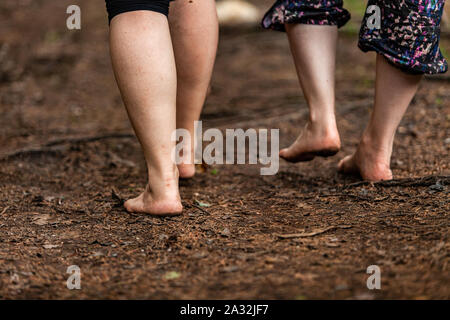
x: 61, y: 194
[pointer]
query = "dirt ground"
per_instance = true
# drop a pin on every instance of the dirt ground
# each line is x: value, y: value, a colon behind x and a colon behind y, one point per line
x: 69, y: 158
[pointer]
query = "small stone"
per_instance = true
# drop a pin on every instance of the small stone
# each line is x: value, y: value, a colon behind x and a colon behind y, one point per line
x: 230, y: 269
x: 163, y: 236
x: 97, y: 254
x: 50, y: 246
x: 129, y: 267
x: 363, y: 192
x: 200, y: 255
x: 437, y: 187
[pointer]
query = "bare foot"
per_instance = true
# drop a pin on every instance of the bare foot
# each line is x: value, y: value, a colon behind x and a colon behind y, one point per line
x: 186, y: 170
x: 165, y: 202
x: 313, y: 142
x: 370, y: 164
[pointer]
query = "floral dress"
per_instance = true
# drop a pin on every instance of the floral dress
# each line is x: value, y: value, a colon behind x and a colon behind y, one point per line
x: 405, y: 32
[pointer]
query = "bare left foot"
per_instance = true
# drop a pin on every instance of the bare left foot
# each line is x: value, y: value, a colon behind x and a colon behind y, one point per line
x: 370, y: 163
x: 312, y: 142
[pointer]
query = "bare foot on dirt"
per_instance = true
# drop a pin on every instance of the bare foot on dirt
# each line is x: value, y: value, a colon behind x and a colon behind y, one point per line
x: 145, y: 203
x: 164, y: 202
x: 371, y: 164
x: 186, y: 170
x: 312, y: 142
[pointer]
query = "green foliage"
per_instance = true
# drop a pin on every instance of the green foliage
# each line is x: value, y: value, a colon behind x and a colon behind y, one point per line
x: 356, y: 7
x: 171, y: 275
x: 444, y: 50
x: 202, y: 204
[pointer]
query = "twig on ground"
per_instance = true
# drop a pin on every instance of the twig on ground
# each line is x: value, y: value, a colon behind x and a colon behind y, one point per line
x: 201, y: 209
x: 4, y: 210
x: 408, y: 182
x: 313, y: 233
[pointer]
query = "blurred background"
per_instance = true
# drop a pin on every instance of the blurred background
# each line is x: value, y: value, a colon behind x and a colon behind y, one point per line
x: 68, y: 159
x: 55, y: 81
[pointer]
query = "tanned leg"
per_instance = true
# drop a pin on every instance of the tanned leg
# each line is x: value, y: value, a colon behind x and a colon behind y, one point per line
x: 394, y: 90
x: 314, y: 50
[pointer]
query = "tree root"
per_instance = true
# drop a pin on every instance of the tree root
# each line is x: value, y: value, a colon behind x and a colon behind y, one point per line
x: 52, y: 146
x: 408, y: 182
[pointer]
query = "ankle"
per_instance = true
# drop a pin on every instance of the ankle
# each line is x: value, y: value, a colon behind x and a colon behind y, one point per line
x: 166, y: 171
x: 324, y: 127
x: 374, y: 142
x: 161, y: 182
x: 374, y: 149
x: 161, y: 192
x: 322, y: 117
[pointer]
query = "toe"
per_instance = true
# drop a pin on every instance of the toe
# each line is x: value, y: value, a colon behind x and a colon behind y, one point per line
x: 133, y: 205
x: 128, y: 206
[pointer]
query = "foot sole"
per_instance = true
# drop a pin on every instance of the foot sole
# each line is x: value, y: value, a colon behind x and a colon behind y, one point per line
x: 326, y: 153
x: 304, y: 157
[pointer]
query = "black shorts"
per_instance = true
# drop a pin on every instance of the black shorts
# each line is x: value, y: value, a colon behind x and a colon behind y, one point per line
x: 116, y: 7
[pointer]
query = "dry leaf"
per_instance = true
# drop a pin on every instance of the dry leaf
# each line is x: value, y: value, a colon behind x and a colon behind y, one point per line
x: 41, y: 219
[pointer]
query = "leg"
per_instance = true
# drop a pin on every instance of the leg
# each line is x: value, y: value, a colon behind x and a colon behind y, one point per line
x: 194, y: 29
x: 314, y: 50
x: 143, y: 62
x: 394, y: 90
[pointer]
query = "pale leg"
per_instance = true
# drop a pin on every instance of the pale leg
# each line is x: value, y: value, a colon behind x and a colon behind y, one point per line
x: 194, y: 29
x: 144, y: 65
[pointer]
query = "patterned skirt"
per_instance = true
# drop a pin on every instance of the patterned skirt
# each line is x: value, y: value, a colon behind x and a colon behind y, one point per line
x: 405, y: 32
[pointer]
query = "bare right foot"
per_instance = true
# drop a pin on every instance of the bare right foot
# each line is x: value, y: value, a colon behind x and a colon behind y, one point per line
x: 370, y: 163
x: 313, y: 141
x: 163, y: 200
